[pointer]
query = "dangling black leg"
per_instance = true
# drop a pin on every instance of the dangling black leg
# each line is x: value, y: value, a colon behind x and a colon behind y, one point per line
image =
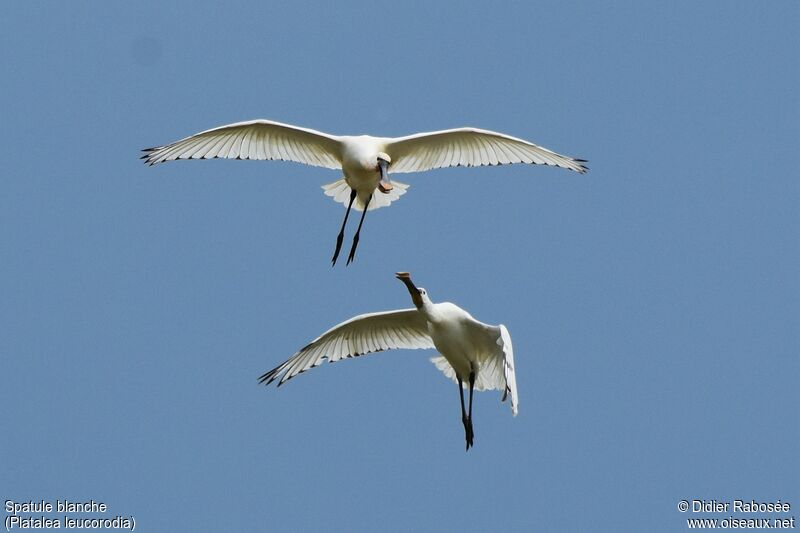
x: 358, y: 232
x: 469, y: 416
x: 341, y: 231
x: 464, y: 419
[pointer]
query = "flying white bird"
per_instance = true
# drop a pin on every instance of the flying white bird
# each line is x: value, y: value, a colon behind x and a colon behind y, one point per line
x: 365, y: 161
x: 473, y: 354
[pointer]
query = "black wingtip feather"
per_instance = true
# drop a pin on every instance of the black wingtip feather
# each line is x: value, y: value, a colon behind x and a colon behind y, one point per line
x: 583, y: 168
x: 266, y: 378
x: 148, y: 154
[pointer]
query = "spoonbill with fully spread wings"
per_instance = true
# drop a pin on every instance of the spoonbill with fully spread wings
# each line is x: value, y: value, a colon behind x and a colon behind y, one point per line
x: 365, y: 161
x: 473, y: 354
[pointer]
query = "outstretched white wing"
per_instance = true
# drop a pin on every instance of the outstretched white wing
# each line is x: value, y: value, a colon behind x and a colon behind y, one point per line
x: 362, y: 334
x: 495, y: 359
x: 470, y: 147
x: 255, y: 139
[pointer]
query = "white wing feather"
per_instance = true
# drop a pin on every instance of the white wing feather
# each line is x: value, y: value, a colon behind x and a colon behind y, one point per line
x: 495, y: 368
x: 504, y: 342
x: 255, y: 139
x: 470, y: 147
x: 360, y: 335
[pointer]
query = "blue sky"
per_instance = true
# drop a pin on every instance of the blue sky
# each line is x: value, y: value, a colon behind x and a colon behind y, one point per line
x: 654, y: 303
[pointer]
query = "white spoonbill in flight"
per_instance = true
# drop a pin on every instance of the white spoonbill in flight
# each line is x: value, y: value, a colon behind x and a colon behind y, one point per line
x: 473, y: 354
x: 365, y: 161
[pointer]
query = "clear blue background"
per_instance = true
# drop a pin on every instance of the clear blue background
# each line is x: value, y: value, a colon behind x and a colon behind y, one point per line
x: 654, y: 303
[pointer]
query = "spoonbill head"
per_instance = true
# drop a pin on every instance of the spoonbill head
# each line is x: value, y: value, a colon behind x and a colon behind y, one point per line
x: 475, y: 355
x: 418, y: 295
x: 364, y: 161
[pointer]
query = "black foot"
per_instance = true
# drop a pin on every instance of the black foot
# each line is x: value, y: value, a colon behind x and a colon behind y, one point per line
x: 470, y: 435
x: 352, y: 254
x: 338, y: 249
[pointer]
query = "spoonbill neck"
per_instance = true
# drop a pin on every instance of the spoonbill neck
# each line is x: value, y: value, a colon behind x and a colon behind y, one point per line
x: 416, y: 297
x: 361, y: 152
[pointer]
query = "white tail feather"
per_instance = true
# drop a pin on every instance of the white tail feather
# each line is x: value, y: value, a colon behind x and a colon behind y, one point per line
x: 339, y: 190
x: 488, y: 377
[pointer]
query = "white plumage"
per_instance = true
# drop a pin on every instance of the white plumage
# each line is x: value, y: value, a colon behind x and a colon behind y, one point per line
x: 473, y: 354
x: 365, y: 161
